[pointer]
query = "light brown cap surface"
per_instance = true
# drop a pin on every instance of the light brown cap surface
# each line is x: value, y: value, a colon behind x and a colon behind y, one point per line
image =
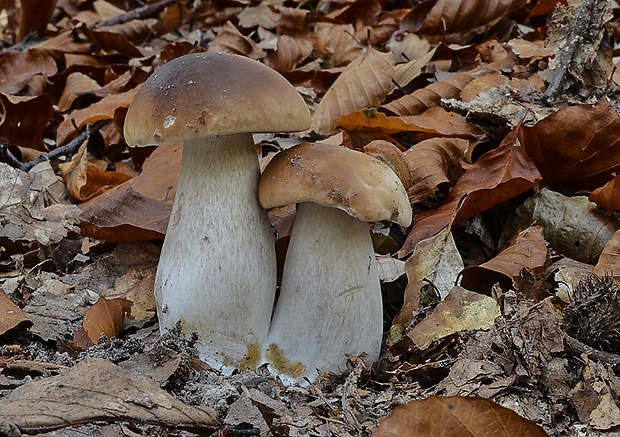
x: 338, y: 177
x: 207, y: 94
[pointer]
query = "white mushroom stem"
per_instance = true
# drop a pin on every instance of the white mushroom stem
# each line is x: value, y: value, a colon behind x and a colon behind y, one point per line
x: 217, y: 271
x: 330, y: 299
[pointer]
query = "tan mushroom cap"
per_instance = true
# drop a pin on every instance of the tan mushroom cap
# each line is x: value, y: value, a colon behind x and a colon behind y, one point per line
x: 335, y: 176
x: 208, y: 94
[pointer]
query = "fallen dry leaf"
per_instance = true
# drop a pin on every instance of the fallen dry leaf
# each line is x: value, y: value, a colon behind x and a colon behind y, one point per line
x: 456, y: 416
x: 576, y: 146
x: 97, y: 390
x: 439, y: 16
x: 364, y: 83
x: 497, y: 176
x: 11, y: 316
x: 461, y: 310
x: 528, y: 251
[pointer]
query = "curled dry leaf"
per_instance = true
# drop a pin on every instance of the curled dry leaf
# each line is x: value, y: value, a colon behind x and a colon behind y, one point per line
x: 86, y: 179
x: 336, y: 45
x: 608, y: 196
x: 230, y: 40
x: 576, y: 146
x: 33, y: 16
x: 97, y: 390
x: 77, y: 84
x: 435, y: 260
x: 456, y: 416
x: 139, y: 208
x: 24, y: 119
x: 11, y: 316
x: 105, y: 318
x: 497, y: 176
x: 364, y: 83
x: 446, y: 16
x: 609, y: 262
x: 461, y: 310
x: 430, y: 96
x: 102, y: 110
x: 289, y: 53
x: 528, y: 251
x: 17, y: 68
x: 433, y: 164
x: 572, y: 226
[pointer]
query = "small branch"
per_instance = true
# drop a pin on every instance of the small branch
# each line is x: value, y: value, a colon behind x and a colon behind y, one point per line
x: 68, y: 149
x: 577, y: 347
x: 141, y: 13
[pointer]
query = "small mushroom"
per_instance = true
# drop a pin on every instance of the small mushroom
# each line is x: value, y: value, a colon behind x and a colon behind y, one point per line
x: 217, y: 271
x: 330, y: 298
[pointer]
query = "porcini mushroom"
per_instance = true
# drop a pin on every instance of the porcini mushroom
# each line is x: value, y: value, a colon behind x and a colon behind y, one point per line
x: 217, y: 271
x: 330, y: 297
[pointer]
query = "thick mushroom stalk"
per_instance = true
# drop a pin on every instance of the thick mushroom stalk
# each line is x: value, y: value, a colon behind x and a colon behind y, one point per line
x: 330, y: 299
x: 330, y: 302
x: 217, y: 271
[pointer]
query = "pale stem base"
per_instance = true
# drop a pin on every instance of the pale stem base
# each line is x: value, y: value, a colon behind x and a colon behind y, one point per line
x: 330, y: 299
x: 217, y: 271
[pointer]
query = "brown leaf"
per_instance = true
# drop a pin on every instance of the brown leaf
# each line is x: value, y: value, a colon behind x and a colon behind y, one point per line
x: 497, y: 176
x: 608, y: 196
x: 364, y: 83
x: 289, y: 53
x: 77, y: 84
x: 230, y: 40
x: 528, y: 251
x: 336, y: 44
x: 11, y: 316
x: 24, y: 120
x: 102, y: 110
x: 430, y: 96
x: 139, y: 208
x: 33, y: 16
x: 456, y: 416
x: 17, y: 68
x: 87, y: 179
x: 434, y: 165
x: 609, y: 262
x: 446, y: 16
x: 106, y: 318
x: 577, y: 145
x: 97, y: 390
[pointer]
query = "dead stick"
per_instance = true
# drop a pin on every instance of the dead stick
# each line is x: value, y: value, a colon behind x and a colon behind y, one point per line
x: 137, y: 14
x: 577, y: 347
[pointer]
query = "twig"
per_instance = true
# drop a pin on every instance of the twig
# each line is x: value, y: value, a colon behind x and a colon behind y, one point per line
x: 137, y: 14
x: 68, y: 149
x: 575, y: 346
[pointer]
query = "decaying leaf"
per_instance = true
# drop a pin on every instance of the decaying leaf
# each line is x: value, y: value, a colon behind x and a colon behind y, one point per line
x: 608, y: 196
x: 434, y: 165
x: 230, y: 40
x: 438, y: 16
x: 528, y: 251
x: 24, y: 119
x: 17, y: 68
x: 97, y: 390
x: 461, y: 310
x: 576, y: 146
x: 87, y: 179
x: 364, y: 83
x: 105, y: 318
x: 458, y: 417
x: 572, y: 225
x: 434, y: 262
x: 139, y: 208
x: 11, y: 316
x: 608, y: 263
x: 497, y: 176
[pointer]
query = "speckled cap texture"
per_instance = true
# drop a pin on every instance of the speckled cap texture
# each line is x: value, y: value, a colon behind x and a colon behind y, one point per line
x: 335, y: 176
x: 208, y: 94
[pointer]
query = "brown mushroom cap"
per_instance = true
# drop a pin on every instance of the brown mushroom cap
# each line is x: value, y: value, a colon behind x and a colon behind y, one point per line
x: 208, y: 94
x: 335, y: 176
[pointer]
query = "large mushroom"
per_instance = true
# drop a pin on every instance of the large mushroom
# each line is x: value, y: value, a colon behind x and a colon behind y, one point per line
x: 217, y: 271
x: 330, y: 298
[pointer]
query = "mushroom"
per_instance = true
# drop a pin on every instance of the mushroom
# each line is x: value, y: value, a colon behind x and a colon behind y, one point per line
x: 217, y: 270
x: 330, y: 297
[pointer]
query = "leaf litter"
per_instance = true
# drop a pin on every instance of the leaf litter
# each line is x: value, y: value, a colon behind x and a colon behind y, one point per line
x: 505, y: 114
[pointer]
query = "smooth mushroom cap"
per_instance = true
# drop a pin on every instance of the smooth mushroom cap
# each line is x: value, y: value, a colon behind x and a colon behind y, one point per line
x: 338, y: 177
x: 207, y: 94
